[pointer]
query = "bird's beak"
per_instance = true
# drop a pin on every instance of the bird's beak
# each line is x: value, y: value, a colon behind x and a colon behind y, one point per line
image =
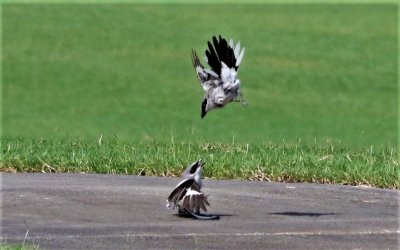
x: 202, y: 163
x: 203, y: 108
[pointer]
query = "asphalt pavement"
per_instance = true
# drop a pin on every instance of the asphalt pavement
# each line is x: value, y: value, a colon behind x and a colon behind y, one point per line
x: 89, y: 211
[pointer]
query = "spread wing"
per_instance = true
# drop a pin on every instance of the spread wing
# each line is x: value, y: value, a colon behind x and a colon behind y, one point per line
x: 187, y: 195
x: 221, y: 52
x: 194, y: 200
x: 207, y: 77
x: 203, y: 74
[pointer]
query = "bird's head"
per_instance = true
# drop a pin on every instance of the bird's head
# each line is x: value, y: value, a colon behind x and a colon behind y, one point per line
x: 194, y: 169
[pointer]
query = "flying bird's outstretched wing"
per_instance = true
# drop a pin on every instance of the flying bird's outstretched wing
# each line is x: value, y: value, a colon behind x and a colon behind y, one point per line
x: 202, y: 75
x: 207, y: 77
x: 222, y: 52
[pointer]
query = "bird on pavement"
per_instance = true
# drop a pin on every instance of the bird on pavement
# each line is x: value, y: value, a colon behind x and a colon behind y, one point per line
x: 220, y: 82
x: 187, y: 195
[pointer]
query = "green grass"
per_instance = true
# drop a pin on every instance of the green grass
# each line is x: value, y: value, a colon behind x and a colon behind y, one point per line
x: 285, y: 161
x: 17, y: 247
x: 4, y: 245
x: 322, y: 74
x: 12, y: 246
x: 311, y: 71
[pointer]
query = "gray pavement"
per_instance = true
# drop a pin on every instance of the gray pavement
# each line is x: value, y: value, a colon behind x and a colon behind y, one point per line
x: 85, y: 211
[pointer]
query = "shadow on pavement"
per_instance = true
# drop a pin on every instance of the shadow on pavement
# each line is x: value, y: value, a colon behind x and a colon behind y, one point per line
x: 310, y: 214
x: 214, y: 214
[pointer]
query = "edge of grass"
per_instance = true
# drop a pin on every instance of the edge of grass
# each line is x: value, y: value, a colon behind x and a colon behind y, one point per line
x: 322, y: 162
x: 208, y: 1
x: 5, y: 246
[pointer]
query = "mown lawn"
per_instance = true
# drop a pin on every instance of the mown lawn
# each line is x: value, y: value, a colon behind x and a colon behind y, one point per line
x: 310, y: 71
x: 320, y: 80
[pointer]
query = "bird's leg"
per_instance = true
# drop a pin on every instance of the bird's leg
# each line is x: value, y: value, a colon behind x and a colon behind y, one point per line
x: 244, y: 103
x: 181, y: 210
x: 241, y: 99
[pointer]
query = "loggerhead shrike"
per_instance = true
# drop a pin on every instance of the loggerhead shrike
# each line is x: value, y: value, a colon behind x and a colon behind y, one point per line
x: 219, y: 83
x: 187, y: 195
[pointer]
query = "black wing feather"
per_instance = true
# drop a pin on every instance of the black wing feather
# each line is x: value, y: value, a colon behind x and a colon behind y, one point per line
x: 213, y: 59
x: 221, y: 52
x: 180, y: 191
x: 189, y: 202
x: 222, y: 49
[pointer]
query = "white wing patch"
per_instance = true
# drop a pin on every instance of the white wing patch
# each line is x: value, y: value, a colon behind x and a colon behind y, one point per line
x: 239, y: 59
x: 231, y: 43
x: 209, y: 71
x: 228, y: 75
x: 200, y: 71
x: 237, y: 50
x: 192, y: 192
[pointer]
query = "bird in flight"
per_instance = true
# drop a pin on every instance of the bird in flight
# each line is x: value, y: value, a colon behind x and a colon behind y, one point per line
x: 187, y: 195
x: 220, y: 82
